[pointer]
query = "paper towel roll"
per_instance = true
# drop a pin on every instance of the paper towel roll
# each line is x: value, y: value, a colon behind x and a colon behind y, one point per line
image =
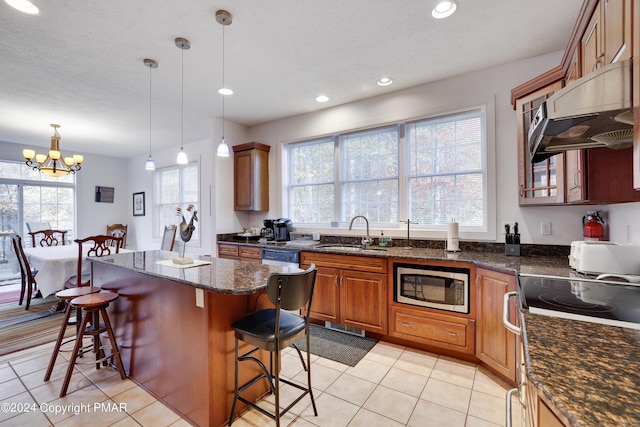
x: 453, y: 241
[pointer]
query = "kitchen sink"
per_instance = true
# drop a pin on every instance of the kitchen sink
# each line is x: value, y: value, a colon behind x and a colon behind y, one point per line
x: 350, y: 248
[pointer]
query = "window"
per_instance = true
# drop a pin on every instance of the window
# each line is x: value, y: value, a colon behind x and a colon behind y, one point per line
x: 27, y: 196
x: 369, y: 165
x: 445, y: 173
x: 175, y: 186
x: 432, y: 171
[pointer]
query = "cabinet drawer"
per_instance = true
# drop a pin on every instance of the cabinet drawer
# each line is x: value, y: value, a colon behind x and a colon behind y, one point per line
x: 433, y: 329
x: 249, y: 252
x: 228, y: 250
x: 343, y: 262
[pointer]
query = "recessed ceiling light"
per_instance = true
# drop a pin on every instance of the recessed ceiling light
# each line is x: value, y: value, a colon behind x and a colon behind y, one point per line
x: 444, y: 8
x: 225, y: 91
x: 322, y: 98
x: 385, y: 81
x: 24, y: 6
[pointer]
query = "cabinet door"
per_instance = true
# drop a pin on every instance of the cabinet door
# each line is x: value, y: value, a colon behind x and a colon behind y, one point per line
x: 243, y: 185
x: 495, y: 345
x: 574, y: 166
x: 363, y: 300
x: 592, y: 51
x: 326, y: 302
x: 543, y: 182
x: 616, y: 29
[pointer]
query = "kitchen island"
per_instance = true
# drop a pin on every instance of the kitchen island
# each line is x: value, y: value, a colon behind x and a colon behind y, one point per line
x: 173, y: 326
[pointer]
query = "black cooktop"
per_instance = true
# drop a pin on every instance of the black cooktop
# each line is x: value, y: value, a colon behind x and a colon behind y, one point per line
x: 614, y: 303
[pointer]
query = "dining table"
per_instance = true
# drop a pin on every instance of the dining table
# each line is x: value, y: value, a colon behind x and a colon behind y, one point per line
x: 56, y: 264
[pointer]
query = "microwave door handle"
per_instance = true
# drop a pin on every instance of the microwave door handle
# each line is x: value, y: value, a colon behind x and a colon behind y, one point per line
x: 506, y: 315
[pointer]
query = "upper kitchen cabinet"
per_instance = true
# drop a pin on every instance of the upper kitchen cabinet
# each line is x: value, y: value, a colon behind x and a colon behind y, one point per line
x: 251, y: 177
x: 602, y: 35
x: 539, y: 183
x: 607, y: 37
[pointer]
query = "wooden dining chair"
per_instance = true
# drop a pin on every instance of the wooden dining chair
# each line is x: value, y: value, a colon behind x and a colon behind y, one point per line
x: 118, y: 230
x: 103, y: 245
x: 48, y: 237
x: 28, y: 281
x: 168, y: 237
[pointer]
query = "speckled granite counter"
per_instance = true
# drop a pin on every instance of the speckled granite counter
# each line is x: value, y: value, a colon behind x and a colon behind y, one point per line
x: 221, y: 276
x: 589, y: 373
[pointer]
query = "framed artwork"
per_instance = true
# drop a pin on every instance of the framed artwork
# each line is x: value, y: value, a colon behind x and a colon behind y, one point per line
x: 138, y: 204
x: 104, y: 194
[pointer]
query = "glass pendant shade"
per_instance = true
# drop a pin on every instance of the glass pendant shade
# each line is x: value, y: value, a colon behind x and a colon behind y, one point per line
x: 223, y: 149
x: 182, y: 158
x: 150, y: 165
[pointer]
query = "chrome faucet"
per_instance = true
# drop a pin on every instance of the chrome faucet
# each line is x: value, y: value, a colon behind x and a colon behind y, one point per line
x: 366, y: 241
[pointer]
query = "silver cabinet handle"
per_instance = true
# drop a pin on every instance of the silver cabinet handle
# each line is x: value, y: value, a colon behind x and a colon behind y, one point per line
x: 452, y: 334
x: 508, y: 406
x: 409, y: 325
x: 506, y: 315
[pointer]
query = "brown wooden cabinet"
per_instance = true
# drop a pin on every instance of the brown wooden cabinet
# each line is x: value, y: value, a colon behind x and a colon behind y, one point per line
x: 240, y: 253
x: 495, y: 345
x: 602, y: 35
x: 543, y: 182
x: 251, y: 177
x: 349, y: 290
x: 431, y: 328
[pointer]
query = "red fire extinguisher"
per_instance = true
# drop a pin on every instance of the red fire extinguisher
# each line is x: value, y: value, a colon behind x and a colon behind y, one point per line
x: 593, y: 226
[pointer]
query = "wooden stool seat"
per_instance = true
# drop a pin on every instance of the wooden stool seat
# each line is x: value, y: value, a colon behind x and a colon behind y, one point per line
x: 66, y: 296
x: 94, y: 305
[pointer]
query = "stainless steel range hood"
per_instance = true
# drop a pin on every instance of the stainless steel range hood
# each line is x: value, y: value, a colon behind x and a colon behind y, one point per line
x: 594, y: 111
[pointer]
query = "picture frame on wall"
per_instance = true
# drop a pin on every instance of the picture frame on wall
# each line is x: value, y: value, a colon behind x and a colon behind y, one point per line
x: 138, y: 204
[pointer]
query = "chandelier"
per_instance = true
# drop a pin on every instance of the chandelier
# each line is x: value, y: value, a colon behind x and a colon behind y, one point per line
x: 53, y: 164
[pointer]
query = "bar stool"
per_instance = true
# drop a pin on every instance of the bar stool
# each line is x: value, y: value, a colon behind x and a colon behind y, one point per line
x: 66, y: 296
x: 273, y: 330
x: 94, y: 306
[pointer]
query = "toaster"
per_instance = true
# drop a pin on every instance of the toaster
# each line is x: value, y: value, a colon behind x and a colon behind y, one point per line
x: 604, y: 257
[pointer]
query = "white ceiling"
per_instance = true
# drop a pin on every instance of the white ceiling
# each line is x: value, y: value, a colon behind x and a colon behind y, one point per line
x: 79, y: 63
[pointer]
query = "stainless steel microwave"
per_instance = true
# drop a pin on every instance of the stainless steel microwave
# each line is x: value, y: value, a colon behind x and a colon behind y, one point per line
x: 442, y: 288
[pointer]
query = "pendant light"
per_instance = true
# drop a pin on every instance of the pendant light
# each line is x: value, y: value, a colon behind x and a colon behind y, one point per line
x: 150, y: 164
x: 183, y: 44
x: 224, y: 18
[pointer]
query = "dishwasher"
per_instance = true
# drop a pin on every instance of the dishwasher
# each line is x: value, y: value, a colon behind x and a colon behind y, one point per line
x: 281, y: 257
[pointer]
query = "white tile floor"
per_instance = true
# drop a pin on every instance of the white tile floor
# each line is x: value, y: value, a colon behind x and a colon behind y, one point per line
x: 391, y: 386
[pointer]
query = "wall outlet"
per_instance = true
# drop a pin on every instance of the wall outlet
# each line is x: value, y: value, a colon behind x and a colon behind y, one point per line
x: 545, y: 228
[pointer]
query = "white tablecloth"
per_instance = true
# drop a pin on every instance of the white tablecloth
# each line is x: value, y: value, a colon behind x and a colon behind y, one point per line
x: 55, y: 265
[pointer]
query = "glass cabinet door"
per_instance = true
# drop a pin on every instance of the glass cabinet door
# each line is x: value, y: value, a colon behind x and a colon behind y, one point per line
x: 542, y: 182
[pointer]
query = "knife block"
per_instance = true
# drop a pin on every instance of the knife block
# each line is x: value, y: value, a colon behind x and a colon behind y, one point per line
x: 511, y: 249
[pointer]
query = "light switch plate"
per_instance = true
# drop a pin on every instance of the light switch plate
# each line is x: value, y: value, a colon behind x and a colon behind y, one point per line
x: 199, y: 298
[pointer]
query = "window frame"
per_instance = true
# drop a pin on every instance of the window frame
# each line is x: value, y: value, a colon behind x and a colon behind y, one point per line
x: 158, y: 222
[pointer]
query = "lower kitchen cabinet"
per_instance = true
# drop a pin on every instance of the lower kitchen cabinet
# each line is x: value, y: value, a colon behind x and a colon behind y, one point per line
x: 426, y: 327
x: 349, y: 290
x: 240, y: 253
x: 538, y: 412
x: 495, y: 346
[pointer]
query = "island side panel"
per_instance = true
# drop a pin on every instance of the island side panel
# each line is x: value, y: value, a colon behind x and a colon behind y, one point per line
x: 163, y: 338
x: 224, y: 309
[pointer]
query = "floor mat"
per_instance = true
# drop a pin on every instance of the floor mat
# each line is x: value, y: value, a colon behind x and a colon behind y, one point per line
x: 337, y: 346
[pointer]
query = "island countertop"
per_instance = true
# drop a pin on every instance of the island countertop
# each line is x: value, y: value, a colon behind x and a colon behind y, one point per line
x: 217, y: 275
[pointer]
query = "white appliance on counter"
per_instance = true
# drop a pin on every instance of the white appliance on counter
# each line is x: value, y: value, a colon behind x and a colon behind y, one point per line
x: 604, y: 257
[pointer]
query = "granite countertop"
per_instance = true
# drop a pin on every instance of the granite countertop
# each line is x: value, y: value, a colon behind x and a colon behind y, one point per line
x: 547, y: 260
x: 220, y: 276
x: 588, y: 372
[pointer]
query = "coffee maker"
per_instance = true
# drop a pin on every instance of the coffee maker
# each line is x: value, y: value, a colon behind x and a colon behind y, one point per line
x: 281, y: 229
x: 267, y: 231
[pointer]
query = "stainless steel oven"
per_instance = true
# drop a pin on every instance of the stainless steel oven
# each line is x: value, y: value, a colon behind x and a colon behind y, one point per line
x: 439, y: 287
